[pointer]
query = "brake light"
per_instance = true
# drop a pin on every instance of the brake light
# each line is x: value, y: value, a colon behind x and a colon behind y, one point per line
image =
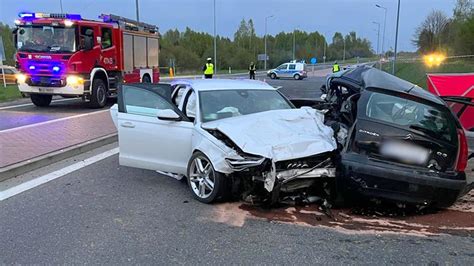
x: 461, y: 161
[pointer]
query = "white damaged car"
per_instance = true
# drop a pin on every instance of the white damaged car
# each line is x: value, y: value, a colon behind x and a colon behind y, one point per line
x: 227, y: 137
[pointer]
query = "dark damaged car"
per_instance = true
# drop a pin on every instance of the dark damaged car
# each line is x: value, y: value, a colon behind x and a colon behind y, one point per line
x: 397, y: 141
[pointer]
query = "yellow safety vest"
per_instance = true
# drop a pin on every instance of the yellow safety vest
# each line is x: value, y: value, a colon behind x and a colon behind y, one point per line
x: 335, y: 68
x: 209, y: 69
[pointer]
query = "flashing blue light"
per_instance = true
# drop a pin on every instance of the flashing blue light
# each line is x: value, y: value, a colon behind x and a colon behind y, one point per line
x: 26, y: 15
x: 73, y: 16
x: 56, y: 68
x: 32, y: 67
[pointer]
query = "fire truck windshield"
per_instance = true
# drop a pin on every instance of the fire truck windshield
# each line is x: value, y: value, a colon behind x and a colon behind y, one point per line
x: 46, y: 39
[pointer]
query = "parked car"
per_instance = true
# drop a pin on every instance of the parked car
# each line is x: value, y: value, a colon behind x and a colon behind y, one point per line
x: 10, y: 74
x: 289, y: 70
x: 227, y: 137
x: 397, y: 141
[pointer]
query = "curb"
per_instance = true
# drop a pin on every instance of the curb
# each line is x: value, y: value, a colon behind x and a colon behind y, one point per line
x: 16, y: 169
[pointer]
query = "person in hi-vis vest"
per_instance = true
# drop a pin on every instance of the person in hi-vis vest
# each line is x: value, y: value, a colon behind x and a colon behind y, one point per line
x: 208, y: 69
x: 335, y: 68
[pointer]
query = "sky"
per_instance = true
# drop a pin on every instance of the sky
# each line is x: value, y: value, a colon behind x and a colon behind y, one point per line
x: 325, y: 16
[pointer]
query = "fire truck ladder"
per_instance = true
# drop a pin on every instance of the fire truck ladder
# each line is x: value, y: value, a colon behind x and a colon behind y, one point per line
x: 129, y: 24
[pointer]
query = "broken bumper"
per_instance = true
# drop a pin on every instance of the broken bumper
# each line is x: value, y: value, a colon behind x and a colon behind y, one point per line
x: 391, y: 182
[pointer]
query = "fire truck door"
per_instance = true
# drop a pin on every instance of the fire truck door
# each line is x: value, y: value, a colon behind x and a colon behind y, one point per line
x: 109, y: 50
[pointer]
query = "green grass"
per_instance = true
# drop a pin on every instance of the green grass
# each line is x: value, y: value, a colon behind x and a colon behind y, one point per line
x: 9, y: 93
x: 415, y: 72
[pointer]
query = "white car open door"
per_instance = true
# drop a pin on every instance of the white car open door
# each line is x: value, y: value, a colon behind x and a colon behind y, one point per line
x: 153, y: 133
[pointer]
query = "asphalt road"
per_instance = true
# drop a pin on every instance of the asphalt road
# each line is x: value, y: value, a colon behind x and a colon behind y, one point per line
x: 23, y: 112
x: 107, y: 214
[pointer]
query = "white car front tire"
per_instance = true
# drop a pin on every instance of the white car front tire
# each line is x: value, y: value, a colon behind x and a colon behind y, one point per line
x: 206, y: 184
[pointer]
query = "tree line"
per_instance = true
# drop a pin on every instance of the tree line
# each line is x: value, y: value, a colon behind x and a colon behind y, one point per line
x: 450, y: 35
x: 188, y: 49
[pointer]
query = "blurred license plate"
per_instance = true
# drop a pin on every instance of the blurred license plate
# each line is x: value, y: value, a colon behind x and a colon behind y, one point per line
x: 48, y: 90
x: 405, y: 152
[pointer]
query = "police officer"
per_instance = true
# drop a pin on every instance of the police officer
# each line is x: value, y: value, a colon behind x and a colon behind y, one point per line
x: 252, y: 70
x: 208, y: 69
x: 335, y: 68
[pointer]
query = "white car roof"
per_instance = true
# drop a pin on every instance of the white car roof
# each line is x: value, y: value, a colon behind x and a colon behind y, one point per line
x: 224, y: 84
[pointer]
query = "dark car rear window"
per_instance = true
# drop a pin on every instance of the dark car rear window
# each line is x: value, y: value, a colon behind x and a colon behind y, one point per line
x: 413, y: 115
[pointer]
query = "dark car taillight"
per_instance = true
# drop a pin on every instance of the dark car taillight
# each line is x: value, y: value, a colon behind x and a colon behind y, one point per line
x: 461, y: 161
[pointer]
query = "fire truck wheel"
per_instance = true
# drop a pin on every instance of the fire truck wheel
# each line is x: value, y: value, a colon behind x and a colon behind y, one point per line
x: 99, y: 94
x: 41, y: 100
x: 146, y: 79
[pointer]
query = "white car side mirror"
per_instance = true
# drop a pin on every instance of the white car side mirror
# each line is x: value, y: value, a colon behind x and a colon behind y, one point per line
x: 168, y: 115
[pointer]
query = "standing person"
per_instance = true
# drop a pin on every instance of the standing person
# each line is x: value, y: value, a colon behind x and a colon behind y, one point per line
x: 252, y: 70
x: 208, y: 69
x: 335, y: 68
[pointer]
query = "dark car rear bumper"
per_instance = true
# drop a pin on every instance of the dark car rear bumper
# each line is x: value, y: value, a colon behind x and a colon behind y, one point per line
x: 401, y: 184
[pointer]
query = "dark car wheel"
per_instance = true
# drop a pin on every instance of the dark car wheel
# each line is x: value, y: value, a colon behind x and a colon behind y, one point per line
x: 206, y: 184
x: 273, y: 76
x: 41, y: 100
x: 297, y: 77
x: 99, y: 94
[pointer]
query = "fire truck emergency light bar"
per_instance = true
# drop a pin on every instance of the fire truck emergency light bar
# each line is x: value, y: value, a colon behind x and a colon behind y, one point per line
x: 129, y: 24
x: 28, y: 15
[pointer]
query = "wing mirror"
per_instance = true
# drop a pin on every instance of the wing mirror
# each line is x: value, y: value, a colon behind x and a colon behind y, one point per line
x: 471, y: 156
x: 168, y: 115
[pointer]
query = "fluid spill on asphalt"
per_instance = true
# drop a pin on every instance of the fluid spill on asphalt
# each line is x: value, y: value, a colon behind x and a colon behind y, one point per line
x: 457, y: 220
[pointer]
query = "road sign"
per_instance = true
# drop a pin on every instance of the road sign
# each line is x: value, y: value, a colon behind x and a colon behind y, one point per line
x: 261, y: 57
x: 313, y: 60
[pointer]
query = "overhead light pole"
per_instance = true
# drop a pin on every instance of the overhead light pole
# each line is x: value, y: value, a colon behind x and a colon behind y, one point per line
x: 265, y: 41
x: 378, y: 36
x: 294, y: 44
x: 344, y: 53
x: 137, y: 10
x: 396, y: 39
x: 61, y: 5
x: 215, y: 38
x: 384, y: 25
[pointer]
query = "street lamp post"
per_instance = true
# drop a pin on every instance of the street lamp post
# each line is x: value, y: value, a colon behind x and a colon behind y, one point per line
x: 136, y: 9
x: 378, y: 36
x: 61, y: 5
x: 396, y: 38
x: 344, y: 53
x: 215, y: 38
x: 294, y: 44
x: 384, y: 25
x: 265, y: 37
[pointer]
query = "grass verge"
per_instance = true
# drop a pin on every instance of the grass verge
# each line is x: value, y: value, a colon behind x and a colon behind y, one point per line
x: 415, y: 72
x: 9, y: 93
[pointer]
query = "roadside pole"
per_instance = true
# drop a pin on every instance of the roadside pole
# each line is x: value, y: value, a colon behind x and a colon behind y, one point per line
x: 2, y: 56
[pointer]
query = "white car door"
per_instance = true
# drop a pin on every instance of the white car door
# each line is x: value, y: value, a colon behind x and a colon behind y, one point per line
x: 146, y: 141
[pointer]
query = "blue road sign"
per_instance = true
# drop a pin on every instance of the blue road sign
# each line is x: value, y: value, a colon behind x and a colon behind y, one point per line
x: 314, y: 60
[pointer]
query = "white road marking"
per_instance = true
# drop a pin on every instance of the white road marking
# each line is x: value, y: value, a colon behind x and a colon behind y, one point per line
x: 10, y: 192
x: 51, y: 121
x: 30, y: 104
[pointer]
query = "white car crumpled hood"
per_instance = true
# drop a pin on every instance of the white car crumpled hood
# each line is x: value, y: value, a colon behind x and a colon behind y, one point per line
x: 280, y: 134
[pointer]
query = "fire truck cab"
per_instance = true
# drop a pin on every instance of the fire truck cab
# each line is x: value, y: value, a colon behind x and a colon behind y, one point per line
x: 63, y: 54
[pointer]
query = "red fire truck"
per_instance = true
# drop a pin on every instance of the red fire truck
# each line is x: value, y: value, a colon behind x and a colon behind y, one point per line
x: 63, y: 54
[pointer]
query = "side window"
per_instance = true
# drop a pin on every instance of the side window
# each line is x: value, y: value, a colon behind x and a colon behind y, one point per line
x: 292, y: 67
x: 143, y: 102
x: 282, y: 67
x: 83, y: 34
x: 179, y: 94
x: 7, y: 71
x: 106, y: 38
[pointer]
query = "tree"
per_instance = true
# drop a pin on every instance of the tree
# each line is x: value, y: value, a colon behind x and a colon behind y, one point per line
x: 432, y: 33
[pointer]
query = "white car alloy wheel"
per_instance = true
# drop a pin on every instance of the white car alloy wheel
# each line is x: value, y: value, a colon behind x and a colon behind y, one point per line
x: 201, y: 177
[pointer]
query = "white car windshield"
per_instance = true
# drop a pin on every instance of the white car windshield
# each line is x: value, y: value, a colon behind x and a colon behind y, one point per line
x: 218, y: 104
